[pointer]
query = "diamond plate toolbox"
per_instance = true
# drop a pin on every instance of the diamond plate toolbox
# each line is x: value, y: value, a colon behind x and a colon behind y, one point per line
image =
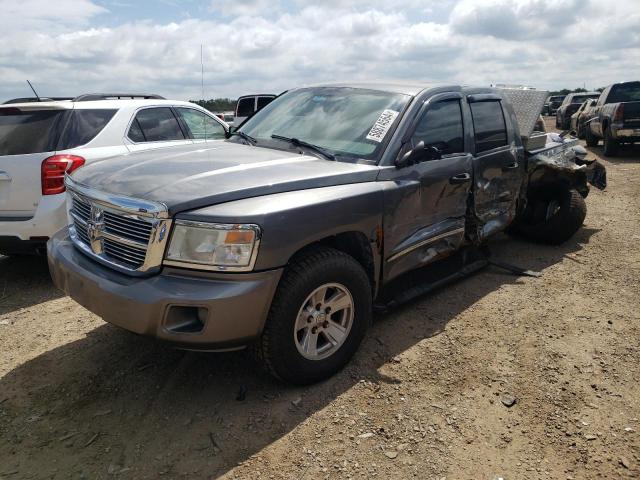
x: 527, y: 105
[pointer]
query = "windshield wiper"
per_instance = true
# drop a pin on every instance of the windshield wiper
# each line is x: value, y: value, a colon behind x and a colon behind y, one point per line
x: 243, y: 136
x: 301, y: 143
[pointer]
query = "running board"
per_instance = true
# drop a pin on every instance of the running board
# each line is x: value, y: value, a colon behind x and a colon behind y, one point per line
x: 419, y: 282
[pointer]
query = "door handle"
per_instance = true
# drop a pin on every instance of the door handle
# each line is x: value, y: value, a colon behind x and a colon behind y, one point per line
x: 510, y: 167
x: 460, y: 178
x: 4, y: 177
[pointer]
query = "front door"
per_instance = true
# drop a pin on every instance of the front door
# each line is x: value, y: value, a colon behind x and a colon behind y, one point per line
x: 498, y: 166
x: 425, y: 211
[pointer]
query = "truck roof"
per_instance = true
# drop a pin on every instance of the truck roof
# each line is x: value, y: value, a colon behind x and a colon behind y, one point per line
x: 408, y: 88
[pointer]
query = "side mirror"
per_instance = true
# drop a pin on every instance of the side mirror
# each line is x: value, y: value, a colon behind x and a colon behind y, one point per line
x: 418, y: 154
x: 413, y: 156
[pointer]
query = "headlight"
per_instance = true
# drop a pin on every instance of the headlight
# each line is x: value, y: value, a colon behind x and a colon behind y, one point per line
x: 213, y: 246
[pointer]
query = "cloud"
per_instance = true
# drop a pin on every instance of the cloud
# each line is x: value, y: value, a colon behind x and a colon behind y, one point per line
x: 262, y: 46
x: 515, y: 19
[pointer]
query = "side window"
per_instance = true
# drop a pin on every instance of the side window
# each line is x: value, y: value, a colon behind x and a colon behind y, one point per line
x: 489, y: 125
x: 84, y: 126
x: 155, y: 125
x: 201, y: 125
x: 263, y: 102
x: 245, y: 107
x: 441, y: 127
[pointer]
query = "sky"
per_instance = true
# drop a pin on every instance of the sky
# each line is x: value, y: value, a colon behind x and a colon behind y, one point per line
x: 69, y: 47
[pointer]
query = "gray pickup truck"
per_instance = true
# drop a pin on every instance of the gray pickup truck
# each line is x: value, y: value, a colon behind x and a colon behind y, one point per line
x: 616, y: 117
x: 283, y: 236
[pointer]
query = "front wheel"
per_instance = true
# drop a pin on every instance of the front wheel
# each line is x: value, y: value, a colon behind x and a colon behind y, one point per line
x: 318, y: 317
x: 553, y: 216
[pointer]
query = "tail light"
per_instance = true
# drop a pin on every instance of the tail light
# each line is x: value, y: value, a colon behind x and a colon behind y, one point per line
x: 618, y: 115
x: 54, y: 169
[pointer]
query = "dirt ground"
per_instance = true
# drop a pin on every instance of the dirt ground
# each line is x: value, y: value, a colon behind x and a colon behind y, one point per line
x: 424, y: 398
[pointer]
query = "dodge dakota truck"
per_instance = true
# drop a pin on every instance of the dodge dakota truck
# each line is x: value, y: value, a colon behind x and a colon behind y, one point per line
x: 283, y: 237
x: 616, y: 117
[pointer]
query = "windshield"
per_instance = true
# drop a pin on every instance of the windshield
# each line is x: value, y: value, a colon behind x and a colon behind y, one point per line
x: 626, y: 92
x: 351, y: 123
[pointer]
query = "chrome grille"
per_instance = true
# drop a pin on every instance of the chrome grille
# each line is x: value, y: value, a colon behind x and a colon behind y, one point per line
x: 126, y: 234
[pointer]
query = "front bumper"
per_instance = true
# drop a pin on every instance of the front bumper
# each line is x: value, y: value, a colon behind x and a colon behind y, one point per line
x: 193, y: 310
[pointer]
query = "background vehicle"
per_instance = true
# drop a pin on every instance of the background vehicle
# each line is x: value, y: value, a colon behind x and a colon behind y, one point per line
x: 332, y: 198
x: 41, y: 141
x: 583, y: 114
x: 552, y: 104
x: 616, y: 117
x: 569, y: 106
x: 226, y: 117
x: 247, y: 105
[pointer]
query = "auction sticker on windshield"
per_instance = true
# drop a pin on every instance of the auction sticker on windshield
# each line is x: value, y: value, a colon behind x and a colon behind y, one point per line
x: 382, y: 125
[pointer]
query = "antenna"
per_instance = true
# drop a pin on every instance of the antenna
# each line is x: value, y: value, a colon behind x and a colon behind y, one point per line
x: 202, y: 72
x: 34, y: 91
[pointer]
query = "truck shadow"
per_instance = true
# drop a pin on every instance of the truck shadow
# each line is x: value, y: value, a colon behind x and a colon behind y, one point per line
x: 25, y: 281
x: 116, y: 402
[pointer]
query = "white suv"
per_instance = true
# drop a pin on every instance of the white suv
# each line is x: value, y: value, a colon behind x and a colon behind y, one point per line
x: 42, y: 141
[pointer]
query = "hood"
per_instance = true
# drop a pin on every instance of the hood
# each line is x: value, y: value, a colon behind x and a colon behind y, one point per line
x: 195, y: 176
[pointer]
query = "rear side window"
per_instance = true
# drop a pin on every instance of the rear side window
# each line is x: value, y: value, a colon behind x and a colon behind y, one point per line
x: 489, y: 125
x: 441, y: 127
x: 83, y: 126
x: 155, y: 125
x: 28, y: 132
x: 245, y: 107
x: 202, y: 126
x: 263, y: 102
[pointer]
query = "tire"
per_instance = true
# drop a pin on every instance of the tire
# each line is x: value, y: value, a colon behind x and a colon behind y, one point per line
x: 553, y: 216
x: 610, y: 144
x: 590, y: 138
x: 282, y: 346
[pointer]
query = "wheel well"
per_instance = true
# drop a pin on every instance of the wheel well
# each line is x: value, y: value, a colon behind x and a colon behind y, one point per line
x: 354, y: 244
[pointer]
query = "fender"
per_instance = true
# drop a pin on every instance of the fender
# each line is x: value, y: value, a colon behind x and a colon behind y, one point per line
x: 291, y: 221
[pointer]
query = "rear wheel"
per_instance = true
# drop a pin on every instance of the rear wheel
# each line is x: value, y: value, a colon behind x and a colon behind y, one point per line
x: 553, y: 216
x: 610, y: 144
x: 318, y: 317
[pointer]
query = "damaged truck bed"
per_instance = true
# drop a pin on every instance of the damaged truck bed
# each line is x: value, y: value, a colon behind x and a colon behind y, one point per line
x: 284, y: 236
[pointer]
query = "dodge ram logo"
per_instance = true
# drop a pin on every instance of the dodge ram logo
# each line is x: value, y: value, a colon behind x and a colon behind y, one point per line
x: 95, y: 227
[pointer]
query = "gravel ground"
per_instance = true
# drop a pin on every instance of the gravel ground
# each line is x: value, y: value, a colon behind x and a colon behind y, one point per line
x: 494, y: 376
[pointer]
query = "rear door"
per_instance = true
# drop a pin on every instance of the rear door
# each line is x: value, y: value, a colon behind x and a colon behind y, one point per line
x: 28, y: 135
x: 155, y: 127
x: 498, y: 165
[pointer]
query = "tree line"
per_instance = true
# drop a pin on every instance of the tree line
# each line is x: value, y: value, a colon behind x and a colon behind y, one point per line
x: 566, y: 91
x: 217, y: 105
